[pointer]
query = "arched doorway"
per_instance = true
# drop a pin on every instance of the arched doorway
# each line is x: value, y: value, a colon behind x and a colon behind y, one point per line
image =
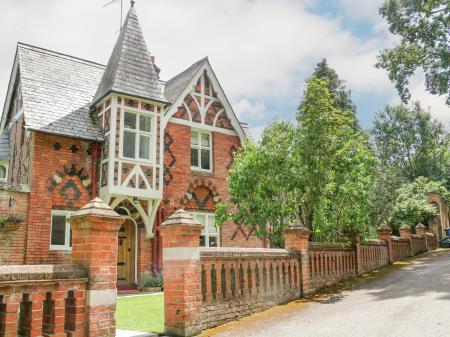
x: 126, y: 258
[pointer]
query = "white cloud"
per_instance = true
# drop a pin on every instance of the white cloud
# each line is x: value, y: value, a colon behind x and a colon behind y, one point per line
x: 246, y: 110
x: 261, y: 50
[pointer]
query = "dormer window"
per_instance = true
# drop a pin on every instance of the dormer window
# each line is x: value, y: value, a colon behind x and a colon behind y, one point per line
x: 137, y: 136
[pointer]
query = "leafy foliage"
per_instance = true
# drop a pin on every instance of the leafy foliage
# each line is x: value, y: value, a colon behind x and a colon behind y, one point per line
x: 261, y: 186
x: 411, y: 206
x: 317, y: 173
x: 409, y: 144
x: 423, y: 26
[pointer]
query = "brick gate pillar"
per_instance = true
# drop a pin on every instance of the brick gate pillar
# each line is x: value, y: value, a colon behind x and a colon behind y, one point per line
x: 296, y: 238
x: 421, y: 230
x: 384, y: 233
x: 180, y: 235
x: 405, y: 233
x: 95, y: 229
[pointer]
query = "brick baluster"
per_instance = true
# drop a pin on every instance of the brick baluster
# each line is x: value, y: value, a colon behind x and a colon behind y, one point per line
x: 95, y: 229
x: 422, y: 231
x: 405, y: 233
x: 384, y: 233
x: 12, y: 314
x: 296, y: 238
x: 182, y: 274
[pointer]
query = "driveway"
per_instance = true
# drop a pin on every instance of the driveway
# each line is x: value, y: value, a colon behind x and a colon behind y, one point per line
x: 410, y: 298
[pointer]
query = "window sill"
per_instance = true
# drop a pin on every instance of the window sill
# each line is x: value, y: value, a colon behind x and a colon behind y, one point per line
x: 60, y: 249
x: 200, y: 172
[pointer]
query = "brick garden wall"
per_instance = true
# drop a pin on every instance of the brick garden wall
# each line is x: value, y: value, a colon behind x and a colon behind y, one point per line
x: 236, y: 282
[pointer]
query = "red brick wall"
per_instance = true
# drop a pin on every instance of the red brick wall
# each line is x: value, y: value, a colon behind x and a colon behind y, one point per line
x: 144, y: 254
x: 13, y: 237
x: 186, y: 180
x: 62, y: 169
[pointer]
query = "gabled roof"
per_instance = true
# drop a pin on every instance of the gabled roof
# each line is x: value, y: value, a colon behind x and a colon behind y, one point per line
x: 175, y: 86
x: 130, y: 69
x: 57, y: 90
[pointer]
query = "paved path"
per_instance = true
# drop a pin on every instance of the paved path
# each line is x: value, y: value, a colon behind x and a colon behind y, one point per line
x: 408, y: 299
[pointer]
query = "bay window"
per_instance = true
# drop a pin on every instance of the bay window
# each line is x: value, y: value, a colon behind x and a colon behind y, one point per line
x: 201, y: 151
x: 137, y: 136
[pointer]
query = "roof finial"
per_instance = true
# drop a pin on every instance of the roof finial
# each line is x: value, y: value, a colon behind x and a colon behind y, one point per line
x: 132, y: 3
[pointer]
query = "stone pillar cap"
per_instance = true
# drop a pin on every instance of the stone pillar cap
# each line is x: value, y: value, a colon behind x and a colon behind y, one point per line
x: 297, y: 227
x: 181, y: 217
x: 419, y: 225
x: 384, y: 227
x: 405, y: 227
x: 96, y: 207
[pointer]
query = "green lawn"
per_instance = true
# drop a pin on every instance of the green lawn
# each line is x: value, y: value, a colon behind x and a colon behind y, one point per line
x: 141, y: 313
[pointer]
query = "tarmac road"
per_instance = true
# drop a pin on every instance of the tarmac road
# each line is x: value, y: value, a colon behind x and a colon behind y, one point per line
x: 408, y: 299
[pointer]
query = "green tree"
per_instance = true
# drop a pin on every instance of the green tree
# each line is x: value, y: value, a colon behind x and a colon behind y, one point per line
x: 409, y: 144
x: 423, y: 26
x: 318, y: 173
x: 342, y: 96
x: 412, y: 143
x: 411, y: 206
x: 260, y: 184
x: 334, y: 166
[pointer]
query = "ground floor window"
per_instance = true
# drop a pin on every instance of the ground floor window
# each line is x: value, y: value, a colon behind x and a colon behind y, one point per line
x: 210, y: 234
x: 61, y: 234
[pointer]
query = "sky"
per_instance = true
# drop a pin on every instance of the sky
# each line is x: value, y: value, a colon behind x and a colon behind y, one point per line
x: 262, y: 51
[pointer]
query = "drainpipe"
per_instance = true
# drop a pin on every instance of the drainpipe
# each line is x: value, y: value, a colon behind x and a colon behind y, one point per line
x: 95, y: 156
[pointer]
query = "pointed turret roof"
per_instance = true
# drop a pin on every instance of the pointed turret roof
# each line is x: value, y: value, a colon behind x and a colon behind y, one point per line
x: 130, y: 69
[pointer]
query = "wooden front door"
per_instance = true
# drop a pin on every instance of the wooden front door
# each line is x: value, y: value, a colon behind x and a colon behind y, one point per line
x: 126, y: 251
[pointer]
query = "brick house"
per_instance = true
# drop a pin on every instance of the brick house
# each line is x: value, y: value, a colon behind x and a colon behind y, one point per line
x: 74, y: 129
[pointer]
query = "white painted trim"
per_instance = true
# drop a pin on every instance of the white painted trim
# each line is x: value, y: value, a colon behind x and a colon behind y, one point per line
x: 205, y: 232
x: 204, y: 127
x: 221, y: 96
x: 101, y: 297
x: 181, y: 254
x: 66, y: 246
x: 200, y: 147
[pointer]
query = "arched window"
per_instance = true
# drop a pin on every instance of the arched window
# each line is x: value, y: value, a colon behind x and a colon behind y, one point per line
x: 2, y: 172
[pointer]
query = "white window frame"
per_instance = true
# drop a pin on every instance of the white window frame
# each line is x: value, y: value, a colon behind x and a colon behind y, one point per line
x: 137, y: 132
x: 66, y: 245
x: 200, y: 147
x: 6, y: 165
x: 205, y: 232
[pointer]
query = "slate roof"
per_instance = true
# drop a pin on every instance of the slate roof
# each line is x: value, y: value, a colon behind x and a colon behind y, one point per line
x: 176, y: 85
x: 130, y: 69
x: 57, y: 91
x: 4, y: 145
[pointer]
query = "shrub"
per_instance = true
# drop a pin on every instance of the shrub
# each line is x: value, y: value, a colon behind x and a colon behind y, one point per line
x: 153, y: 282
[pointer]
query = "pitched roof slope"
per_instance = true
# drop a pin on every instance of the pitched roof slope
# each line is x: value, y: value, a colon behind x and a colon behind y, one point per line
x: 57, y: 90
x: 130, y: 69
x: 176, y: 85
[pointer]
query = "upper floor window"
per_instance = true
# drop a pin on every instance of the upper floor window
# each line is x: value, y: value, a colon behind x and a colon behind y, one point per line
x: 137, y: 136
x: 210, y: 235
x: 201, y: 150
x: 61, y: 234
